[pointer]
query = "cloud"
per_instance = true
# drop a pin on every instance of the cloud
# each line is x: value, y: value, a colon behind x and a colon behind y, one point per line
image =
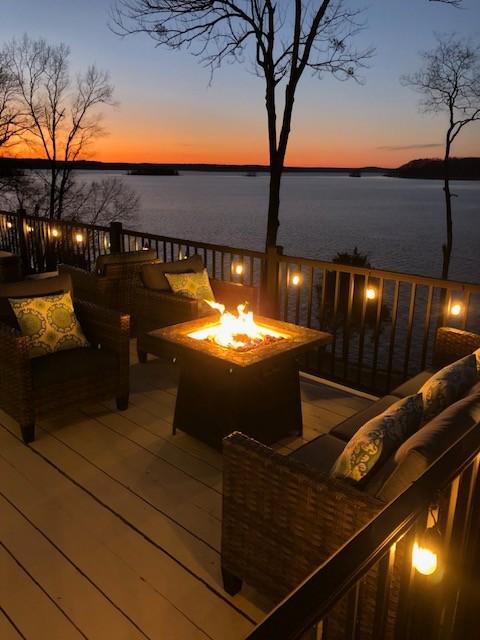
x: 406, y: 147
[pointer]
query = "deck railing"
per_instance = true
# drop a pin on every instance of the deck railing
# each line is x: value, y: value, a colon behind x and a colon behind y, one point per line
x: 406, y: 604
x: 383, y: 323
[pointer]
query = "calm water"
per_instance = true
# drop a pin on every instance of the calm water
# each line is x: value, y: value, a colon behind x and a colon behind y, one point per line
x: 399, y: 223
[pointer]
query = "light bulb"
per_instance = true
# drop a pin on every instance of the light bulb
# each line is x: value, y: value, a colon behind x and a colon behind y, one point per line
x: 79, y: 238
x: 371, y: 293
x: 424, y: 560
x: 456, y: 309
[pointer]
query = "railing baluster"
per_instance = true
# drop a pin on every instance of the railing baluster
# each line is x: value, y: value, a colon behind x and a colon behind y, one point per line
x: 297, y: 297
x: 310, y: 297
x: 334, y: 320
x: 362, y: 331
x: 346, y: 331
x: 426, y: 335
x: 392, y: 333
x: 376, y: 335
x: 411, y: 315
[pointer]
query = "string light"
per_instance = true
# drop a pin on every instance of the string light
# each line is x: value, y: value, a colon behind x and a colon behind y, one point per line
x: 371, y: 293
x: 237, y: 268
x: 296, y: 279
x: 456, y: 309
x: 79, y: 238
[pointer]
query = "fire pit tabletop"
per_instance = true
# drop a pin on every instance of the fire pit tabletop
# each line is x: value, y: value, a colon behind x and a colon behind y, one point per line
x: 296, y: 340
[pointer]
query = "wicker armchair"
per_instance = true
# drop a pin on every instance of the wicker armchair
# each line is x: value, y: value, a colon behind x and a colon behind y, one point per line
x: 159, y: 308
x: 282, y: 519
x: 113, y: 280
x: 31, y: 388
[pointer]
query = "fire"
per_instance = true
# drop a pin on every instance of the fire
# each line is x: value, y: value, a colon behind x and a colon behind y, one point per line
x: 239, y: 332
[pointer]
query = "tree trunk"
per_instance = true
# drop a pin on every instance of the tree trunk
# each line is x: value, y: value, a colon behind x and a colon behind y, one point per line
x: 276, y: 169
x: 447, y: 247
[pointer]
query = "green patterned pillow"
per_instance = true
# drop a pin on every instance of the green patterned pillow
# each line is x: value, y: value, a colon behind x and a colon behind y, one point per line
x: 49, y: 322
x: 448, y: 385
x: 378, y: 439
x: 191, y: 285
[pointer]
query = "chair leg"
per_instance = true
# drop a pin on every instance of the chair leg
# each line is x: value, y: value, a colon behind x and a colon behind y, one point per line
x: 231, y: 583
x: 142, y: 356
x: 28, y: 432
x: 122, y: 402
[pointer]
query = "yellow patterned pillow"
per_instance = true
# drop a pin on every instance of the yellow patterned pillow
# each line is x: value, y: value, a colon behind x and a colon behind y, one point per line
x: 49, y: 322
x: 191, y: 285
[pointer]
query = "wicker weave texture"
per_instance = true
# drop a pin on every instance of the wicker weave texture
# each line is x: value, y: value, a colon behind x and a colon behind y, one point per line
x: 104, y: 328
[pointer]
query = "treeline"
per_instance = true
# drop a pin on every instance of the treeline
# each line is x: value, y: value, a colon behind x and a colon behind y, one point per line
x: 428, y: 168
x: 9, y: 164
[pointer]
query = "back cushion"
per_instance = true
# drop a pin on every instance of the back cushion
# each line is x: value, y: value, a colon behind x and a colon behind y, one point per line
x: 30, y: 288
x: 448, y: 385
x: 153, y: 274
x: 423, y: 447
x: 103, y: 262
x: 373, y: 443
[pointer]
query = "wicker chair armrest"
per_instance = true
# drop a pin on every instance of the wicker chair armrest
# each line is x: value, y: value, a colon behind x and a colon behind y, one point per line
x: 15, y: 372
x: 155, y: 309
x: 282, y: 519
x: 13, y: 346
x: 105, y: 327
x: 231, y: 294
x: 452, y: 344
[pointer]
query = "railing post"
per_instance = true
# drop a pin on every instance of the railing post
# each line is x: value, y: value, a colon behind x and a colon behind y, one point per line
x: 269, y: 292
x: 116, y: 237
x: 22, y: 242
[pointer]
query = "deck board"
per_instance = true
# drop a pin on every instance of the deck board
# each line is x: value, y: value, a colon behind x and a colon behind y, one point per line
x: 108, y: 513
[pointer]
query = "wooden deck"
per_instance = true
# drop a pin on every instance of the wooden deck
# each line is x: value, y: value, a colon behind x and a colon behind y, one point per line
x: 110, y: 526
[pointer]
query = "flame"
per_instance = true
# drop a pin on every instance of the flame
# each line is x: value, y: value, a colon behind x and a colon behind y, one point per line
x: 238, y: 332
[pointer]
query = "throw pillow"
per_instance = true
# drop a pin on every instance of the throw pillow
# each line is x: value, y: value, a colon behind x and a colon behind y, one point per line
x: 153, y: 275
x: 448, y: 385
x: 191, y: 285
x: 378, y: 439
x: 49, y: 322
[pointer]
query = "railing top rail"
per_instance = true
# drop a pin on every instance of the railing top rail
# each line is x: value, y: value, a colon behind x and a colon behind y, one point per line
x: 62, y: 222
x: 380, y: 273
x: 311, y: 601
x: 195, y: 243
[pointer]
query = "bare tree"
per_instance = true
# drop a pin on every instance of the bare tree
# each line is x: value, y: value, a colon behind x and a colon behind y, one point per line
x: 286, y: 39
x: 61, y: 111
x: 12, y: 119
x: 449, y: 81
x: 103, y: 201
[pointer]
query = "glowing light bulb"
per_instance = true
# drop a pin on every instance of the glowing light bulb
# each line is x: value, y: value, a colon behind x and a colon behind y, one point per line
x: 55, y: 233
x: 9, y: 225
x: 456, y: 309
x: 79, y: 238
x: 296, y: 279
x: 29, y: 228
x: 238, y: 269
x: 424, y: 560
x: 371, y: 293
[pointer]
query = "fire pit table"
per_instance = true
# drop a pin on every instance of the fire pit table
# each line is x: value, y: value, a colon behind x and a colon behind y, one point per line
x: 255, y: 389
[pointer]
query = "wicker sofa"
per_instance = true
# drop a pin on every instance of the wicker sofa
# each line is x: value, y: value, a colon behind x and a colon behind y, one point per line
x: 32, y: 388
x: 157, y: 306
x: 284, y: 515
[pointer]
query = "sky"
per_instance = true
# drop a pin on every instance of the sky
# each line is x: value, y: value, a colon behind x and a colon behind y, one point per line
x: 168, y: 110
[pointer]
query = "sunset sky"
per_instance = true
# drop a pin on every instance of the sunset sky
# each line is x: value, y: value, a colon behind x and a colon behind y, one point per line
x: 168, y: 112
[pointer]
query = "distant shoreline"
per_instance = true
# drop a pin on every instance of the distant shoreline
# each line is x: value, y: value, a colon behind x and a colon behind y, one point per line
x: 152, y: 167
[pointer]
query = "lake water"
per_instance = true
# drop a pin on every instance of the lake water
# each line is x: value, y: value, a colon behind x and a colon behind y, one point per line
x: 399, y: 223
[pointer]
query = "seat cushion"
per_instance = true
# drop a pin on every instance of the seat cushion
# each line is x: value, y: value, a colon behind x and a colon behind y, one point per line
x: 104, y: 261
x: 373, y: 443
x: 413, y: 385
x: 153, y: 275
x: 72, y: 364
x: 347, y: 429
x: 423, y: 447
x: 320, y: 453
x: 448, y: 385
x: 49, y: 322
